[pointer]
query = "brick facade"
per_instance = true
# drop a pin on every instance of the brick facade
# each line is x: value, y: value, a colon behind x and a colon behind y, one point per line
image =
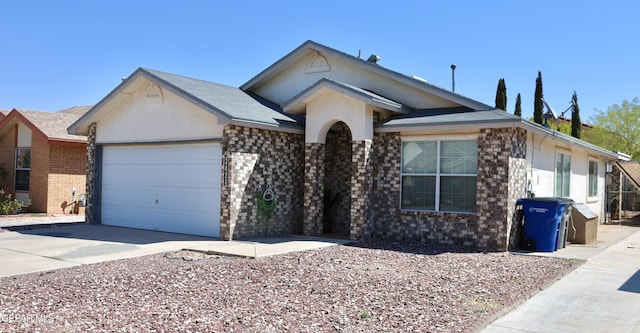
x: 253, y: 161
x: 67, y: 170
x: 501, y: 180
x: 39, y: 175
x: 55, y: 168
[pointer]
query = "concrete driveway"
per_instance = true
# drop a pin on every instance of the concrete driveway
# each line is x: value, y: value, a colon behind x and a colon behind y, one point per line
x: 66, y: 245
x: 58, y: 247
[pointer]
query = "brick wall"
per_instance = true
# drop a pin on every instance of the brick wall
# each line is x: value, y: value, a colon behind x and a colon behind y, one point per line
x: 67, y: 169
x: 254, y: 160
x: 7, y: 158
x: 500, y: 154
x: 39, y: 175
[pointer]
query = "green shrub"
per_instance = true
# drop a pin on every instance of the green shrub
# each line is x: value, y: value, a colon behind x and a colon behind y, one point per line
x: 9, y: 204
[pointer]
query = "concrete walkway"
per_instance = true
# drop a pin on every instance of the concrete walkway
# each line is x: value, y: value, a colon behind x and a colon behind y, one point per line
x: 602, y: 295
x: 37, y: 247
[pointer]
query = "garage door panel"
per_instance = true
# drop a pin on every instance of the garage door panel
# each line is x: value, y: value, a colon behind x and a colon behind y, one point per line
x: 174, y: 188
x: 168, y: 221
x: 162, y: 175
x: 178, y: 199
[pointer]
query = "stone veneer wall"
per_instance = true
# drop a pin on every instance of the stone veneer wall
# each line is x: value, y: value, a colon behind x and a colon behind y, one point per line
x: 254, y: 160
x: 499, y: 151
x: 91, y: 176
x: 517, y: 183
x: 313, y: 188
x: 361, y: 222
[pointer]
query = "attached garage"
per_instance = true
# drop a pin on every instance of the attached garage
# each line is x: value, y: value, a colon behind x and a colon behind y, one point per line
x: 164, y: 187
x: 155, y: 149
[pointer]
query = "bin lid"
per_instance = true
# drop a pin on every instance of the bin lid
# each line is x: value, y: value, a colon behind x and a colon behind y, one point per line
x: 584, y: 210
x: 545, y: 199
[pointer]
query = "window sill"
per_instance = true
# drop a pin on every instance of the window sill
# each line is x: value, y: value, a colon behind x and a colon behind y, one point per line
x: 591, y: 200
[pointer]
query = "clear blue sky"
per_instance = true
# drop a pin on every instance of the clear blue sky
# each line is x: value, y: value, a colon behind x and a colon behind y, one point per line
x: 58, y: 54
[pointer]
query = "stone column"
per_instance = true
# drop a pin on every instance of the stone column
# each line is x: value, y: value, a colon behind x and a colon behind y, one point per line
x: 89, y: 216
x: 313, y: 189
x: 360, y: 190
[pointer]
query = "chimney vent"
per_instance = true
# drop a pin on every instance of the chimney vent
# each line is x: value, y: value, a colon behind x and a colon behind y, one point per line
x: 373, y: 59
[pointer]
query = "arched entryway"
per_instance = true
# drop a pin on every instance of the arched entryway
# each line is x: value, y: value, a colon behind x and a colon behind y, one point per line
x: 336, y: 210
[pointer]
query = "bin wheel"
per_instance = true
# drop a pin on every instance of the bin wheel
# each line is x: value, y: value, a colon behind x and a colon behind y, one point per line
x: 529, y: 244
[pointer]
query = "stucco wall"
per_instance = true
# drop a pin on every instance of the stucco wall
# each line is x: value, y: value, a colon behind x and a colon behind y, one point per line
x: 153, y: 114
x: 7, y: 158
x: 315, y: 66
x: 324, y: 111
x: 254, y: 160
x: 540, y: 164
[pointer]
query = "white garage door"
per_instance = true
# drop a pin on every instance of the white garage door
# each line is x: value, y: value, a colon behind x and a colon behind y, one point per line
x: 174, y: 188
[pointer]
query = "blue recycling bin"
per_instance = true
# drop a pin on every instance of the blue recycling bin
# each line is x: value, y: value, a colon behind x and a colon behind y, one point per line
x: 544, y: 223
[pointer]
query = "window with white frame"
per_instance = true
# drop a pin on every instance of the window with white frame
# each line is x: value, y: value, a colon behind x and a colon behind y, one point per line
x: 439, y: 175
x: 23, y: 169
x: 593, y: 178
x: 563, y: 174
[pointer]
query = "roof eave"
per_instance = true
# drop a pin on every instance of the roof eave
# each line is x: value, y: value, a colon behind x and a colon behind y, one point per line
x: 417, y: 127
x: 68, y: 142
x: 267, y: 126
x: 521, y: 123
x: 538, y: 129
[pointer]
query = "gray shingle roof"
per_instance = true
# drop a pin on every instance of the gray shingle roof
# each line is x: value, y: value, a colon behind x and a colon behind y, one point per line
x: 232, y: 103
x: 448, y: 116
x: 54, y: 124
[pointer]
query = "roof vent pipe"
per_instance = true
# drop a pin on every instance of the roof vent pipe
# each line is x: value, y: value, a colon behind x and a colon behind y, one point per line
x: 373, y: 59
x: 453, y: 77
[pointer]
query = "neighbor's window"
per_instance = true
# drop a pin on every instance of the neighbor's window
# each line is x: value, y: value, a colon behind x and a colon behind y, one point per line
x: 439, y: 175
x: 23, y: 168
x: 593, y: 178
x: 563, y: 175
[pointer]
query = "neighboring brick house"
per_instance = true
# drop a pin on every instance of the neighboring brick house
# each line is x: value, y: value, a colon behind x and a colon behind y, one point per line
x: 323, y: 142
x: 43, y: 162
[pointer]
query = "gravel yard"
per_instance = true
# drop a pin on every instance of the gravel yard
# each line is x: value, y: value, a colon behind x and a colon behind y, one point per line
x: 379, y: 287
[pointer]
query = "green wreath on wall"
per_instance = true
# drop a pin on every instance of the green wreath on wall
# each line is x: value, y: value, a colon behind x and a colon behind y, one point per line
x: 266, y: 207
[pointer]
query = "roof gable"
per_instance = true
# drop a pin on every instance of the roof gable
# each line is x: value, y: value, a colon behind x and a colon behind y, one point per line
x: 298, y: 101
x: 49, y: 126
x: 227, y: 103
x: 325, y: 66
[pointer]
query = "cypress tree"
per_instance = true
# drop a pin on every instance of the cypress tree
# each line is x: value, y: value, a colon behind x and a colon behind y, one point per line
x: 576, y: 123
x: 518, y: 110
x: 537, y: 101
x: 501, y: 95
